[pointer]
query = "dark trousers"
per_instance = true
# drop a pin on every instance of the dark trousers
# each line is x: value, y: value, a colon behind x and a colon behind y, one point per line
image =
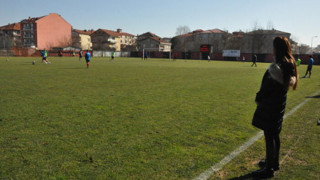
x: 272, y: 149
x: 254, y: 63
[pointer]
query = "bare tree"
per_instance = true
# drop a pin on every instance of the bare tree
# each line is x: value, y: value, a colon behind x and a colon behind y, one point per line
x: 182, y: 30
x: 5, y: 41
x: 317, y: 49
x: 270, y: 25
x: 255, y: 26
x: 303, y: 49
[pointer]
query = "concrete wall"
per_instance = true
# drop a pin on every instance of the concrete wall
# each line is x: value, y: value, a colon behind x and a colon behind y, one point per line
x: 193, y: 43
x: 108, y: 54
x: 53, y: 31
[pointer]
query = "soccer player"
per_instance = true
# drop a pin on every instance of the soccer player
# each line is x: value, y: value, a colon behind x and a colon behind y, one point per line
x: 254, y: 60
x: 310, y: 63
x: 298, y: 62
x: 88, y: 58
x: 112, y: 56
x: 80, y: 55
x: 44, y: 55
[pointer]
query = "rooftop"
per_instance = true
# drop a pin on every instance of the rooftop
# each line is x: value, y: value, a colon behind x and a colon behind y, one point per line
x: 200, y: 31
x: 114, y: 33
x: 87, y: 32
x: 14, y: 26
x: 262, y: 31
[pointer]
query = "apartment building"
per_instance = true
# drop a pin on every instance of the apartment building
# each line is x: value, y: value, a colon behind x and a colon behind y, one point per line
x: 104, y: 39
x: 82, y: 39
x: 10, y: 35
x: 152, y: 42
x: 46, y: 32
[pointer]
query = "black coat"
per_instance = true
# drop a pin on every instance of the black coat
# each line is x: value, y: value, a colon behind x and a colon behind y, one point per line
x: 271, y: 100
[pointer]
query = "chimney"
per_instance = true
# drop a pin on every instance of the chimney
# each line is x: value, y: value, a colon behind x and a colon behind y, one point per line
x: 119, y: 30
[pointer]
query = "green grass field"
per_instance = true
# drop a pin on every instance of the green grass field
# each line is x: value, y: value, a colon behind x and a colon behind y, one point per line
x: 133, y: 119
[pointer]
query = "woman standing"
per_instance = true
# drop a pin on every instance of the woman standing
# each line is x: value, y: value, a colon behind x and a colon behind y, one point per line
x: 271, y: 102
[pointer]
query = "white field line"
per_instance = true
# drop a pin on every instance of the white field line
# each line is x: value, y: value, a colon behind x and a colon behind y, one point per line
x: 216, y: 167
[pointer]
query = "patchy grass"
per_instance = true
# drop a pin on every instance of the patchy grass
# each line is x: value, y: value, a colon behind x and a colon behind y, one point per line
x: 133, y: 119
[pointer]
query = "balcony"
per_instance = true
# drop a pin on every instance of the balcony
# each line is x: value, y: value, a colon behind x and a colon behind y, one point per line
x: 112, y: 41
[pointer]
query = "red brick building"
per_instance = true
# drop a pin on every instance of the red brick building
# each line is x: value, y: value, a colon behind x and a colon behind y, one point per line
x: 46, y: 32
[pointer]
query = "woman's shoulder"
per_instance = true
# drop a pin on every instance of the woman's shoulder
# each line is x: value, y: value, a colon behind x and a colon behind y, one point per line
x: 275, y: 72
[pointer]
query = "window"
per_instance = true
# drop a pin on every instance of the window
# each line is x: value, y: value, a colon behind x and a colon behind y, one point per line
x: 28, y: 26
x: 28, y: 34
x: 28, y: 42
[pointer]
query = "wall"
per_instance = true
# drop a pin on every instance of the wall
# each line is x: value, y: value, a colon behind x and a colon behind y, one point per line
x: 108, y: 54
x: 85, y: 41
x: 148, y: 43
x: 193, y: 43
x: 53, y: 31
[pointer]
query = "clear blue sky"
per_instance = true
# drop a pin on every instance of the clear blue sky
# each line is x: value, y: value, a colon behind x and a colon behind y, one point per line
x: 299, y: 17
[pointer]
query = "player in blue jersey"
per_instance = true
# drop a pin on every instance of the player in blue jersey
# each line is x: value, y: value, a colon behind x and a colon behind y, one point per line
x: 44, y: 55
x: 310, y: 64
x: 88, y: 58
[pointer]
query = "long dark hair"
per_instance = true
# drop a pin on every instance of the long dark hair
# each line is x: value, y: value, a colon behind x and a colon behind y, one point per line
x: 284, y: 58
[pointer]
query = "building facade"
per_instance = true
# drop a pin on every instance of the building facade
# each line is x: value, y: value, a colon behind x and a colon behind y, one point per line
x: 192, y: 44
x: 82, y: 39
x: 46, y: 32
x: 200, y: 44
x: 260, y: 43
x: 10, y: 36
x: 152, y: 42
x: 108, y: 40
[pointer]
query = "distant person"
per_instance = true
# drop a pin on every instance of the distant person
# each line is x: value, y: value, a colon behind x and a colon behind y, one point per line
x: 112, y: 56
x: 309, y: 68
x: 88, y: 58
x: 271, y: 102
x: 145, y: 55
x: 298, y: 62
x: 80, y: 55
x: 44, y: 55
x: 209, y: 59
x: 243, y: 58
x: 254, y: 60
x: 173, y: 57
x: 60, y: 53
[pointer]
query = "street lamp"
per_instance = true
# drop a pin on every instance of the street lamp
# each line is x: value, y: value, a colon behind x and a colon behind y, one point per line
x: 312, y: 42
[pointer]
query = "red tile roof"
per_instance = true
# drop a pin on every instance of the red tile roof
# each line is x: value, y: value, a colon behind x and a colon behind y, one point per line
x: 149, y: 33
x: 202, y: 31
x: 126, y: 34
x: 261, y: 31
x: 87, y: 32
x: 214, y: 31
x: 114, y: 33
x: 33, y: 19
x: 157, y: 39
x: 14, y: 26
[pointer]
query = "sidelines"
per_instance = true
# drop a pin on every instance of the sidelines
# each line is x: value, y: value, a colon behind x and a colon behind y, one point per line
x: 216, y: 167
